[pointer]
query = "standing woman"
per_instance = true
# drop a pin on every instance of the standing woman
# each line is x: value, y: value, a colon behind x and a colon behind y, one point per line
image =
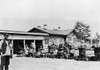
x: 5, y: 52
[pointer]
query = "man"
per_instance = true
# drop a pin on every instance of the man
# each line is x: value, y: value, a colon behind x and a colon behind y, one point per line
x: 33, y: 46
x: 5, y: 51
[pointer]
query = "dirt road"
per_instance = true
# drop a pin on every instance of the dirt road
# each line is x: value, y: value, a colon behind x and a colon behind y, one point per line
x: 23, y: 63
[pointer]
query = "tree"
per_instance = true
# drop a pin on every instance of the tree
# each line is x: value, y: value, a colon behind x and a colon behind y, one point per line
x: 59, y: 28
x: 96, y: 39
x: 39, y: 26
x: 45, y: 26
x: 82, y: 31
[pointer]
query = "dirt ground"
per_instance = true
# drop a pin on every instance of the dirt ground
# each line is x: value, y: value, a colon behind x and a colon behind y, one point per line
x: 23, y: 63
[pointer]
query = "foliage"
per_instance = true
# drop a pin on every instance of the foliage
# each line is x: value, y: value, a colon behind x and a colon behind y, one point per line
x: 82, y: 31
x: 96, y: 39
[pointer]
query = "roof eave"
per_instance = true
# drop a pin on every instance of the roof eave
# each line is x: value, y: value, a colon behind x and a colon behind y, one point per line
x: 19, y: 33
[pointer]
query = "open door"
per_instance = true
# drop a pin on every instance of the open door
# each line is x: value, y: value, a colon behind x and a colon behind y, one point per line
x: 38, y: 44
x: 18, y: 45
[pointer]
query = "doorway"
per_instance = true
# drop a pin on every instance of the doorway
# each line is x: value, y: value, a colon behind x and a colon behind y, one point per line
x: 38, y: 44
x: 18, y: 46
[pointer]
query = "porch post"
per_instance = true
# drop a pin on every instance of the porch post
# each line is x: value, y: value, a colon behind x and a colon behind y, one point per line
x: 24, y: 44
x: 43, y: 43
x: 34, y: 46
x: 12, y: 45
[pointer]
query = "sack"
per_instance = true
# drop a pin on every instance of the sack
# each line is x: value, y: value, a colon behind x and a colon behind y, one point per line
x: 3, y: 47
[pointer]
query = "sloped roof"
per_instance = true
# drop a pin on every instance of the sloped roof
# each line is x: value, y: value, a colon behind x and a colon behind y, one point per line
x: 21, y: 32
x: 53, y: 32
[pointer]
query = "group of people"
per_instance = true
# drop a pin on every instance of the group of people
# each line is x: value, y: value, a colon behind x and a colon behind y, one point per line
x: 29, y: 50
x: 63, y: 50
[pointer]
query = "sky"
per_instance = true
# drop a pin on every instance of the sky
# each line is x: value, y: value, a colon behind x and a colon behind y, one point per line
x: 22, y: 15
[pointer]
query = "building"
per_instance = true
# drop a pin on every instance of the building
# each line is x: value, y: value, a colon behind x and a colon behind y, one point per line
x: 55, y: 36
x: 20, y: 39
x: 38, y: 36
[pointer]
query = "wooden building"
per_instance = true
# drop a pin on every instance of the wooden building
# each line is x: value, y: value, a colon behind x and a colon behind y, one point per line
x: 20, y: 39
